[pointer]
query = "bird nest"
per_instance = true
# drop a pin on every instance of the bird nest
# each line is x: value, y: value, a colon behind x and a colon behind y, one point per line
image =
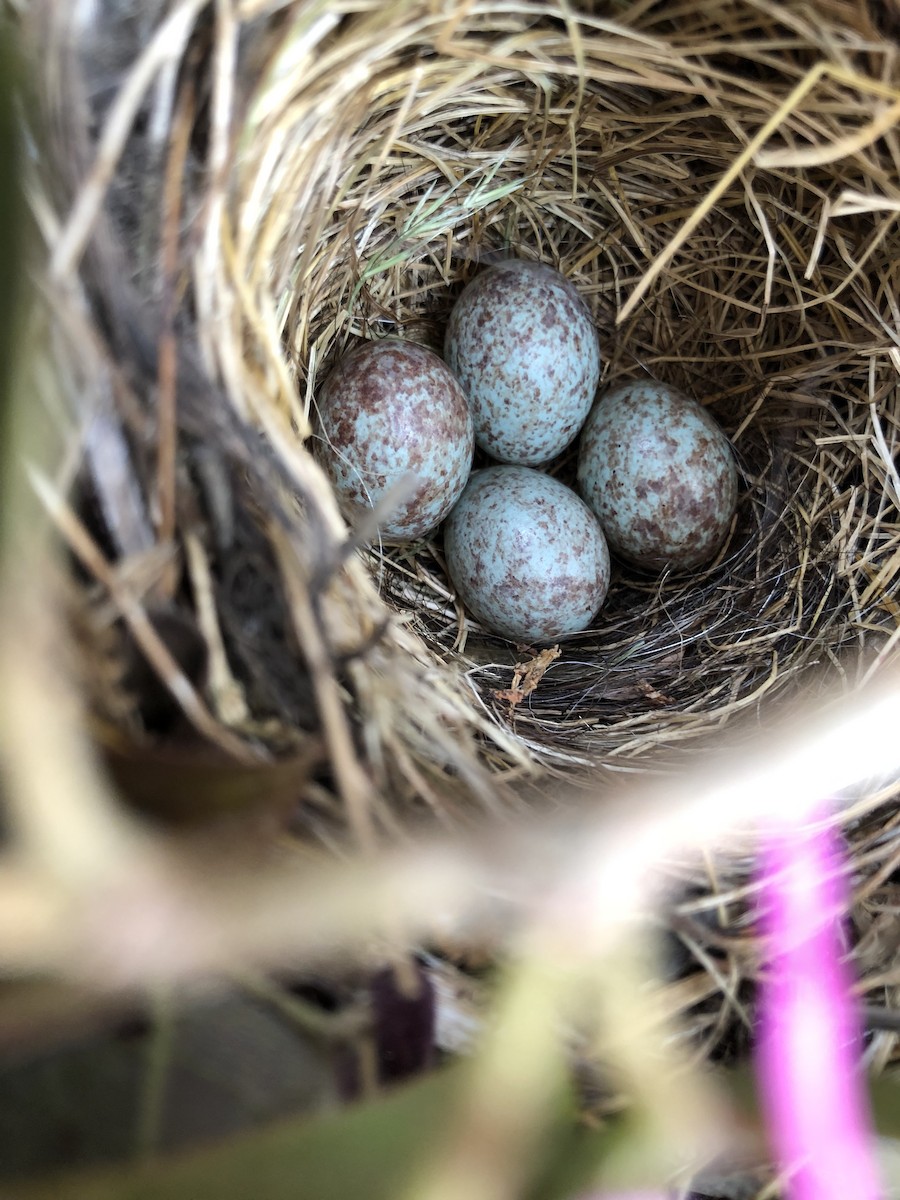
x: 240, y: 199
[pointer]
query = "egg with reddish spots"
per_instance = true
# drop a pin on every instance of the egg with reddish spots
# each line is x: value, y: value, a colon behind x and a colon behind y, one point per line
x: 392, y: 409
x: 522, y: 343
x: 526, y: 555
x: 660, y: 474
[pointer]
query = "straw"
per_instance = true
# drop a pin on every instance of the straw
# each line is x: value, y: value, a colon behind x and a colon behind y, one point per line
x: 719, y: 182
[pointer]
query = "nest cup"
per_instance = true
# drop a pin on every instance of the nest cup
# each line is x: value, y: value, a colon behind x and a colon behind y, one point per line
x: 718, y: 181
x: 242, y: 193
x: 720, y: 186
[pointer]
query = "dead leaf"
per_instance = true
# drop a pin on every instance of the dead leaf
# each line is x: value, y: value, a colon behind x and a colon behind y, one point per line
x: 527, y: 675
x: 653, y: 695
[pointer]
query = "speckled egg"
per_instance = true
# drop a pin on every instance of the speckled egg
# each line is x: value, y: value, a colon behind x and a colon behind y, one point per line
x: 522, y: 343
x: 388, y: 409
x: 660, y: 475
x: 527, y: 556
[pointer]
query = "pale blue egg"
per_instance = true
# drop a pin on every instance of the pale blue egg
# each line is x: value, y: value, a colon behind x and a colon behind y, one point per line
x: 660, y: 474
x: 393, y: 409
x: 523, y: 345
x: 527, y: 556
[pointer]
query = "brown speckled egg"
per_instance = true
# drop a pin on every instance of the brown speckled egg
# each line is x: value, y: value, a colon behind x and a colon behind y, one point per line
x: 660, y: 475
x: 523, y: 345
x: 527, y: 556
x: 391, y: 408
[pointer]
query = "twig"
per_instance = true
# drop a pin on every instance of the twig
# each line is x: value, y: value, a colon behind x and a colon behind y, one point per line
x: 167, y: 419
x: 165, y: 46
x: 149, y: 641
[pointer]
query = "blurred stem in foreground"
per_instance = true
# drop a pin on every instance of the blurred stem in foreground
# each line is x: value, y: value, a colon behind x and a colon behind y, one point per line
x: 11, y: 257
x: 64, y: 836
x: 808, y: 1057
x: 513, y: 1089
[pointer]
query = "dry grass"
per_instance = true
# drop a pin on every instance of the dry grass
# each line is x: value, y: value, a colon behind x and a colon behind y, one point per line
x: 269, y: 183
x: 627, y: 153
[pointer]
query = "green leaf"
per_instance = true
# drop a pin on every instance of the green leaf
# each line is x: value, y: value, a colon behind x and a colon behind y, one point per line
x: 375, y: 1151
x: 365, y: 1152
x: 372, y: 1151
